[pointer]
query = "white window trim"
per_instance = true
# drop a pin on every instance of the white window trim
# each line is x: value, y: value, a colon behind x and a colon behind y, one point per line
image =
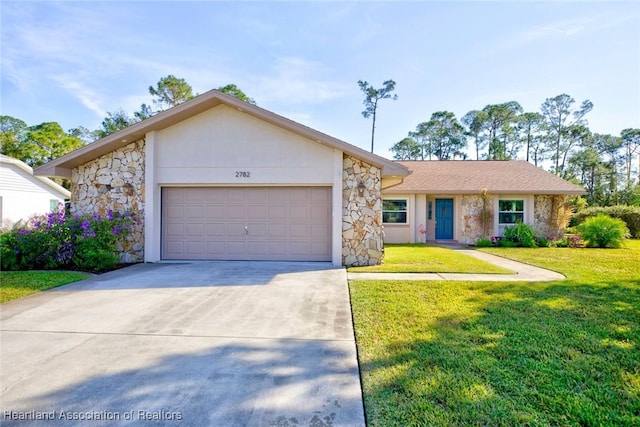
x: 406, y: 211
x: 513, y: 199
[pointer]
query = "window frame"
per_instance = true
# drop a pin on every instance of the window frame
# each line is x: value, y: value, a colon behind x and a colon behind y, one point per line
x: 515, y: 212
x: 405, y: 211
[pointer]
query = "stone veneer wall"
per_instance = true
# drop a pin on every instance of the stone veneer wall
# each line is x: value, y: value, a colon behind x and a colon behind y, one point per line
x: 551, y: 215
x: 472, y: 227
x: 362, y: 233
x: 114, y: 181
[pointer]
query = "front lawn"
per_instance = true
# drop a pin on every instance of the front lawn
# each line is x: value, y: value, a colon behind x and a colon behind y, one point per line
x: 17, y: 284
x: 421, y: 258
x: 478, y: 353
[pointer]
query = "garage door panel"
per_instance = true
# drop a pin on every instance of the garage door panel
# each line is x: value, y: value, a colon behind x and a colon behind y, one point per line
x: 216, y: 212
x: 320, y: 215
x: 236, y: 248
x: 319, y: 195
x: 284, y: 223
x: 175, y: 230
x: 278, y: 231
x: 299, y: 232
x: 195, y: 230
x: 319, y: 248
x: 194, y: 248
x: 299, y: 213
x: 216, y: 249
x: 175, y: 248
x: 216, y: 230
x: 175, y: 212
x: 257, y: 212
x: 236, y: 212
x: 277, y: 213
x: 235, y: 195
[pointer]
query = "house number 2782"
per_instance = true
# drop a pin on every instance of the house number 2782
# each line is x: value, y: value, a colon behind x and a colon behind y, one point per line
x: 243, y: 174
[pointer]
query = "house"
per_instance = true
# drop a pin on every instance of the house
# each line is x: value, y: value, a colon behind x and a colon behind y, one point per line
x: 23, y: 195
x: 216, y: 178
x: 468, y: 200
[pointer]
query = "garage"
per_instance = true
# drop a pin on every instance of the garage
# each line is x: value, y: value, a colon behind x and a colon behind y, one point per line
x: 246, y: 223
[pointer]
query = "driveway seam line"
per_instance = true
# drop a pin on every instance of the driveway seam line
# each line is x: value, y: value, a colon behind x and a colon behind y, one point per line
x: 177, y: 335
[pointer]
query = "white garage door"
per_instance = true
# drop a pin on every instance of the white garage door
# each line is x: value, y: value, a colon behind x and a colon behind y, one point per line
x: 258, y: 223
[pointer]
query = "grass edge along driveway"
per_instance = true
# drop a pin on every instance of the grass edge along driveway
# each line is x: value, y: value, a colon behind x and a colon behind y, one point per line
x: 18, y: 284
x: 487, y: 353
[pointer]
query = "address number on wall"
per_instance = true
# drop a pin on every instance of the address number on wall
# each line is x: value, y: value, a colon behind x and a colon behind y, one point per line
x: 243, y: 174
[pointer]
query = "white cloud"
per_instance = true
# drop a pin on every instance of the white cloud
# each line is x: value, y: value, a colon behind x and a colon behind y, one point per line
x: 295, y: 80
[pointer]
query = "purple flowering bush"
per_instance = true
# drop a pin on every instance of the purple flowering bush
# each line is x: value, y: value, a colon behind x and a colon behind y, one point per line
x: 57, y: 240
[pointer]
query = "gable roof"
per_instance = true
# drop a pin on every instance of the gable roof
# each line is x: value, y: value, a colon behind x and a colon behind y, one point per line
x: 25, y: 169
x: 471, y: 177
x: 62, y: 166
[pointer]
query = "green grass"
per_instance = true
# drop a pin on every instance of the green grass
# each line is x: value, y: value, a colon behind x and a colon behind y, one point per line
x: 18, y: 284
x: 477, y: 353
x: 420, y: 258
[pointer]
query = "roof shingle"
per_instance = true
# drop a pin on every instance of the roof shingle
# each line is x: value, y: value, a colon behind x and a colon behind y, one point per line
x: 471, y: 177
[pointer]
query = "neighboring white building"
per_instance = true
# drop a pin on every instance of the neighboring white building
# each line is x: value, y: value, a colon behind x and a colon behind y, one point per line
x: 22, y: 194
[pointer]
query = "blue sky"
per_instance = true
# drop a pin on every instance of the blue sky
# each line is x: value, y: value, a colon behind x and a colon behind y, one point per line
x: 72, y: 62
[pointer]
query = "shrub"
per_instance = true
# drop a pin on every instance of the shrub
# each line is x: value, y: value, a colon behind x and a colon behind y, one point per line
x: 520, y: 234
x: 508, y: 243
x: 629, y: 214
x: 56, y: 241
x: 483, y: 243
x: 543, y: 242
x: 603, y: 231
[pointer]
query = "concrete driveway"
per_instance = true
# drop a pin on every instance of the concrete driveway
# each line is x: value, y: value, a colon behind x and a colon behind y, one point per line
x: 201, y: 344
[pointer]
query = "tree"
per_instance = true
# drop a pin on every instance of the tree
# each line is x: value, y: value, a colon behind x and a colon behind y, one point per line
x: 84, y: 134
x: 446, y: 136
x: 235, y: 91
x: 561, y: 118
x: 371, y: 98
x: 114, y: 122
x: 45, y: 142
x: 144, y: 113
x: 630, y: 140
x: 12, y: 135
x: 500, y: 121
x: 170, y: 91
x: 422, y: 137
x: 474, y: 120
x: 407, y: 149
x: 595, y: 165
x: 529, y: 127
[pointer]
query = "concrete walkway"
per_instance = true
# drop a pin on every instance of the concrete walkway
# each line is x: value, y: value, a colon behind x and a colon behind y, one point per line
x: 522, y: 272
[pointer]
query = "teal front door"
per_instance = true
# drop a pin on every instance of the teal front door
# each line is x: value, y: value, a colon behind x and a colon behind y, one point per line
x: 444, y: 219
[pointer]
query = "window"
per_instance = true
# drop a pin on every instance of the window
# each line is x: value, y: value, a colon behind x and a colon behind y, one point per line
x: 53, y: 205
x: 394, y: 211
x: 429, y: 210
x: 510, y: 211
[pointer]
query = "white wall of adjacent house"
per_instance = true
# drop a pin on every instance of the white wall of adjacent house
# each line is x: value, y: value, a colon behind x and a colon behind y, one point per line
x: 224, y: 147
x: 22, y: 195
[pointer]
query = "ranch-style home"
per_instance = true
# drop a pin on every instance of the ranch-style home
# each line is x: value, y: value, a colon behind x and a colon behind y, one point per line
x: 216, y: 178
x: 468, y: 200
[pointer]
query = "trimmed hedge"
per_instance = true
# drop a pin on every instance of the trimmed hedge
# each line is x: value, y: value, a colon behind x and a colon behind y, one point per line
x: 629, y: 214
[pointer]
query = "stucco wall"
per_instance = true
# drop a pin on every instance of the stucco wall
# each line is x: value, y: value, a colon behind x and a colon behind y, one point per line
x: 213, y: 146
x: 362, y: 232
x: 114, y: 181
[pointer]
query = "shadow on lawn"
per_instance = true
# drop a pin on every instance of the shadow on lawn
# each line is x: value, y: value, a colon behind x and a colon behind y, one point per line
x: 559, y: 354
